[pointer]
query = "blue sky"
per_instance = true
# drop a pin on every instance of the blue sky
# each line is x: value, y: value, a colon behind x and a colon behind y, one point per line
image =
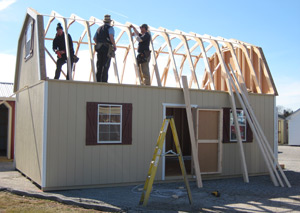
x: 272, y: 24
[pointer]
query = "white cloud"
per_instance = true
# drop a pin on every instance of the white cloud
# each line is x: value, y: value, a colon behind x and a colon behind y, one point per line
x: 6, y: 3
x: 7, y: 67
x: 117, y: 13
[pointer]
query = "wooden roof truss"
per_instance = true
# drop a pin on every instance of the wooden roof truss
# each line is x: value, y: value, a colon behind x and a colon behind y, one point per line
x: 246, y: 60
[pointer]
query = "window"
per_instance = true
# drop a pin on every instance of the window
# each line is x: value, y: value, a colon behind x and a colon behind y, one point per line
x: 229, y: 135
x: 108, y: 123
x: 242, y: 122
x: 29, y: 40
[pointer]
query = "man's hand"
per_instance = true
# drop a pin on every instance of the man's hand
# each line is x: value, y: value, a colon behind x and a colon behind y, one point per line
x: 59, y: 53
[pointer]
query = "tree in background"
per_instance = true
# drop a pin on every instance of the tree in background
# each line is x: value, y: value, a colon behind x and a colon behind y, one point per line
x: 284, y: 111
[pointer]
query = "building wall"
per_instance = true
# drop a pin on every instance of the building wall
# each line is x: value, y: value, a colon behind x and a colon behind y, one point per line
x: 263, y: 107
x: 70, y: 163
x: 294, y: 123
x: 30, y: 71
x: 30, y: 102
x: 29, y: 132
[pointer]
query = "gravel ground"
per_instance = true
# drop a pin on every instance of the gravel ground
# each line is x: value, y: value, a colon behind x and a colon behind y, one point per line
x: 260, y: 195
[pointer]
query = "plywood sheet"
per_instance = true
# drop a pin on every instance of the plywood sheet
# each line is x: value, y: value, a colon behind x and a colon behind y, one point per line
x: 208, y: 125
x: 208, y: 157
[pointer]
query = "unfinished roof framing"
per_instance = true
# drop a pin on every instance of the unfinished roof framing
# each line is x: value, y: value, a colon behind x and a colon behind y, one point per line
x: 174, y: 50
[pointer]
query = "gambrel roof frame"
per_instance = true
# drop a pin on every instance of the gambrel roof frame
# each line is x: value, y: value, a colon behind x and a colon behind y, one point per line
x: 247, y: 60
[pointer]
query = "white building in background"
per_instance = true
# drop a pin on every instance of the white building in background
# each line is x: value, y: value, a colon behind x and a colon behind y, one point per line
x: 294, y: 127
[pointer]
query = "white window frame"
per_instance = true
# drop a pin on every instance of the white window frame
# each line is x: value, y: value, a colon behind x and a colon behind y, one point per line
x: 104, y: 123
x: 244, y: 125
x: 29, y: 40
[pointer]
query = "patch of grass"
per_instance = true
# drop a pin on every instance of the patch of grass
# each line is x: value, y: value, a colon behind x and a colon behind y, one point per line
x: 14, y: 203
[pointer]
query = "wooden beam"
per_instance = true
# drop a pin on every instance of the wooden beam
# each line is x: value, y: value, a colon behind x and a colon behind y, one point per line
x: 213, y: 74
x: 154, y: 64
x: 244, y: 88
x: 266, y: 70
x: 260, y: 137
x: 51, y: 19
x: 237, y: 67
x: 204, y: 77
x: 253, y: 74
x: 165, y: 35
x: 193, y: 48
x: 165, y: 73
x: 233, y: 107
x: 181, y: 65
x: 260, y: 72
x: 77, y: 48
x: 135, y: 64
x: 124, y: 63
x: 47, y: 51
x: 191, y: 130
x: 54, y: 60
x: 88, y: 30
x: 188, y: 54
x: 206, y: 63
x: 119, y: 36
x: 72, y: 20
x: 68, y: 53
x: 114, y: 62
x: 201, y: 54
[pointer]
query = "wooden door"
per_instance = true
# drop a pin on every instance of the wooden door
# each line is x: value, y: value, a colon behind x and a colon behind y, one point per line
x: 209, y: 140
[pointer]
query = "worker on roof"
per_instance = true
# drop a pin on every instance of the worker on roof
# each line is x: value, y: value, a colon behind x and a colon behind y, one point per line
x: 143, y: 56
x: 105, y: 47
x: 59, y: 47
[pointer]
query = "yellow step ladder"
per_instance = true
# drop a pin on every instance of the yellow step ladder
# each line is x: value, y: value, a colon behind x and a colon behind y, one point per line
x: 155, y: 159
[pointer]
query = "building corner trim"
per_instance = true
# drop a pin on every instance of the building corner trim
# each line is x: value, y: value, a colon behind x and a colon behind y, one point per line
x: 44, y: 157
x: 275, y: 131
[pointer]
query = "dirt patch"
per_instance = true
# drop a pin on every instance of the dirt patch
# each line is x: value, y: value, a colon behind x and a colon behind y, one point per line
x: 14, y: 203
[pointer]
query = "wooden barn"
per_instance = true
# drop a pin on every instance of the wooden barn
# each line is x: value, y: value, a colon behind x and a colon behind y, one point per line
x: 282, y: 130
x: 62, y: 142
x: 7, y: 120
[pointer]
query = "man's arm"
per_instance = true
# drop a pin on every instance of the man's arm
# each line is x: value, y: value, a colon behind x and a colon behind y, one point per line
x: 95, y: 37
x: 54, y: 45
x: 136, y: 34
x: 111, y: 33
x: 112, y: 39
x: 135, y: 30
x: 71, y: 44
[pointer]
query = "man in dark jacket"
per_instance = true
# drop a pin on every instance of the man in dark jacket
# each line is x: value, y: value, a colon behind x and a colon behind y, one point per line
x: 105, y: 47
x: 59, y: 47
x: 143, y: 56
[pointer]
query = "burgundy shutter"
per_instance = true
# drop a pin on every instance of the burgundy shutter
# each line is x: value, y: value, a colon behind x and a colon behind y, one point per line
x: 226, y: 125
x: 126, y: 123
x: 91, y: 123
x: 249, y: 134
